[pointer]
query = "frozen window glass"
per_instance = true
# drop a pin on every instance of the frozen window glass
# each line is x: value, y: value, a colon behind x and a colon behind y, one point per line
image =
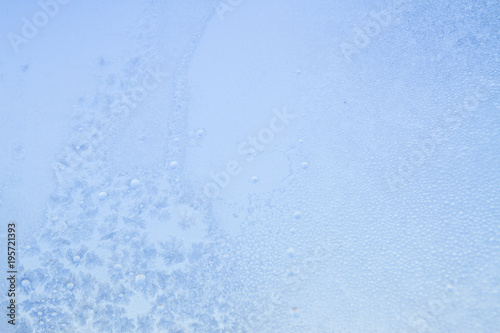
x: 250, y: 166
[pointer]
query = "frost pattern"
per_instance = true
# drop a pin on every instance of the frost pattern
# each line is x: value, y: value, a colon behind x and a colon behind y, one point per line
x: 106, y: 261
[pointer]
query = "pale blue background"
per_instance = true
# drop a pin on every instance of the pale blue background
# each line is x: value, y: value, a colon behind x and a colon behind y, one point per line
x: 374, y: 208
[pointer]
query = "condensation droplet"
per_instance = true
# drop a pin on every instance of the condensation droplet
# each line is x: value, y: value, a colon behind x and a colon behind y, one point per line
x: 254, y: 179
x: 135, y: 183
x: 140, y: 278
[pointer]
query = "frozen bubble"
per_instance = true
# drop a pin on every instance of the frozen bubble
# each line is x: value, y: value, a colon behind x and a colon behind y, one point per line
x: 102, y: 195
x: 76, y: 259
x: 290, y: 252
x: 140, y: 278
x: 135, y: 183
x: 305, y: 165
x: 54, y: 291
x: 25, y: 283
x: 70, y: 286
x: 40, y: 313
x: 254, y: 179
x: 200, y: 132
x: 54, y: 314
x: 297, y: 215
x: 161, y: 307
x: 42, y: 323
x: 173, y: 164
x: 117, y: 267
